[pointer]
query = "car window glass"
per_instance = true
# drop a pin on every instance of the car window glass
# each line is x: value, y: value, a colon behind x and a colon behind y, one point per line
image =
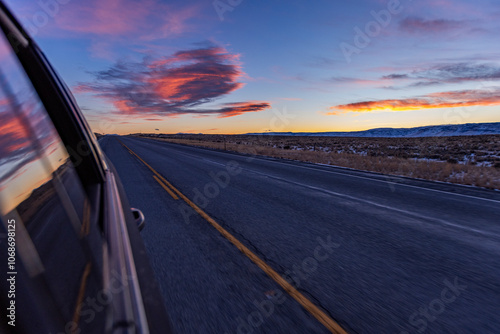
x: 40, y: 188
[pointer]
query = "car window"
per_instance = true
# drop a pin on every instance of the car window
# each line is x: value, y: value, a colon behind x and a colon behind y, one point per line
x: 41, y: 191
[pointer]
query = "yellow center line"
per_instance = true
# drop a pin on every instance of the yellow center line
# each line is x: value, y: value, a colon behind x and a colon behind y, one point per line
x: 166, y: 188
x: 164, y: 183
x: 314, y: 310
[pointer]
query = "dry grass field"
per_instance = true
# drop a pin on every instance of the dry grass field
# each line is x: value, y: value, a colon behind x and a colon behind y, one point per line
x: 469, y: 160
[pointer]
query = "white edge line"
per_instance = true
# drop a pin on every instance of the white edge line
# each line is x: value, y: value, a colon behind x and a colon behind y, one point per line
x: 263, y: 158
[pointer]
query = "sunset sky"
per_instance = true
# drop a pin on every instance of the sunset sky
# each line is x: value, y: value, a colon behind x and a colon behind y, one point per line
x: 237, y: 66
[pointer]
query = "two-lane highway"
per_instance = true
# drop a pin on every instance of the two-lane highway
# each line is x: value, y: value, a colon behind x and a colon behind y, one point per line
x: 370, y: 253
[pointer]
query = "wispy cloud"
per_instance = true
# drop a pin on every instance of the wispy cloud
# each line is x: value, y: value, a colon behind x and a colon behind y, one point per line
x: 395, y: 76
x: 125, y: 18
x: 174, y: 85
x: 448, y: 73
x: 427, y: 75
x: 239, y: 108
x: 464, y: 98
x: 420, y: 25
x: 109, y: 25
x: 356, y: 81
x: 108, y: 17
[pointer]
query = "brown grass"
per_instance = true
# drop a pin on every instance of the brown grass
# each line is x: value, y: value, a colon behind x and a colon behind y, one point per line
x: 473, y: 160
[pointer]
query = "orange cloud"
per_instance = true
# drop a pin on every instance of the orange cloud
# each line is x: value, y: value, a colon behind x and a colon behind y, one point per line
x: 465, y: 98
x: 175, y: 85
x: 239, y: 108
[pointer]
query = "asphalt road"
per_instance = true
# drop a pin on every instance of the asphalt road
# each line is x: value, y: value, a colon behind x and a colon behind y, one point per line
x: 377, y: 254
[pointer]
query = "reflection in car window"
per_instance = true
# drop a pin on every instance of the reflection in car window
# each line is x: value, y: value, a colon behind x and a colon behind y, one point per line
x: 40, y: 188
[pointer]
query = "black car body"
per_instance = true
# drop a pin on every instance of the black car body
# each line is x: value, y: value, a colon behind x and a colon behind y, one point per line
x: 71, y: 256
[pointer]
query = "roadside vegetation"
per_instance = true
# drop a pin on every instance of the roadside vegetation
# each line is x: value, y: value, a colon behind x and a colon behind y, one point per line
x: 469, y: 160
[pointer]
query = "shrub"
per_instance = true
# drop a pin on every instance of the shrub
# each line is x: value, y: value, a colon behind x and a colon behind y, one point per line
x: 372, y: 154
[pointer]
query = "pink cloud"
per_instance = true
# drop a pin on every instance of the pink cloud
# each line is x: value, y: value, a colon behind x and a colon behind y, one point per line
x: 125, y: 18
x: 104, y: 17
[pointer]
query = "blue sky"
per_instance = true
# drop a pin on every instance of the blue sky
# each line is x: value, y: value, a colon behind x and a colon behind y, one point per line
x: 230, y: 66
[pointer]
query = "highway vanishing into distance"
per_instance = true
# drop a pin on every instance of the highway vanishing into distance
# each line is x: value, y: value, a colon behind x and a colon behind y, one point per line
x: 244, y: 244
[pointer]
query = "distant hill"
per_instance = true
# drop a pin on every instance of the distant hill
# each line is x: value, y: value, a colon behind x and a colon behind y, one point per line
x: 470, y: 129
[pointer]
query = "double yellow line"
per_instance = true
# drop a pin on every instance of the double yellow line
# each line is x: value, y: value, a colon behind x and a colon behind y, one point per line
x: 160, y: 179
x: 314, y: 310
